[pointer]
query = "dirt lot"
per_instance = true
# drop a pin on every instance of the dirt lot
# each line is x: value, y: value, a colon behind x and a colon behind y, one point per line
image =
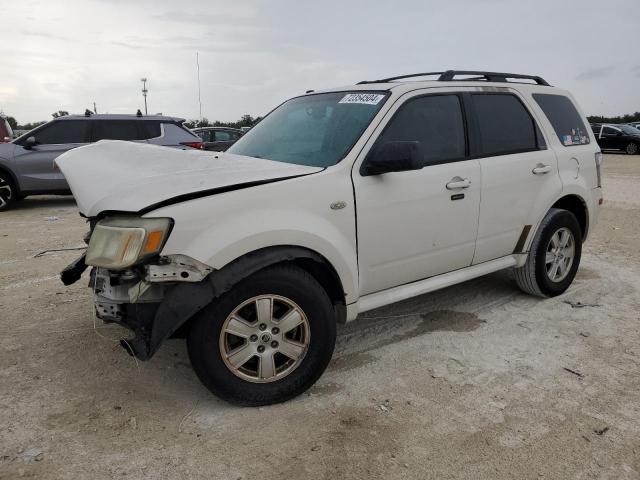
x: 475, y: 381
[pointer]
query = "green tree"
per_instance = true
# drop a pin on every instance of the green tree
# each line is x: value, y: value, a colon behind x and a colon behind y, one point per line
x: 12, y: 123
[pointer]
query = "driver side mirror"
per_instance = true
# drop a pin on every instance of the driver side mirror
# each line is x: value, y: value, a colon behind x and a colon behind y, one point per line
x: 30, y: 142
x: 393, y: 157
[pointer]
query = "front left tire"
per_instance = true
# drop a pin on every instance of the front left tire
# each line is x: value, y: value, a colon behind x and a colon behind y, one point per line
x: 266, y: 340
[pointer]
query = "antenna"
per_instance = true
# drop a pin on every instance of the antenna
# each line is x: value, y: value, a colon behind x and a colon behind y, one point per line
x: 144, y: 93
x: 198, y: 69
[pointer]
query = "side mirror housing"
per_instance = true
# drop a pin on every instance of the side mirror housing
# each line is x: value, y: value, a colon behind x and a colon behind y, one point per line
x: 393, y: 157
x: 30, y: 142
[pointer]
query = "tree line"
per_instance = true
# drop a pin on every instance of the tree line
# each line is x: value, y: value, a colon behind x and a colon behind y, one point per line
x: 628, y: 118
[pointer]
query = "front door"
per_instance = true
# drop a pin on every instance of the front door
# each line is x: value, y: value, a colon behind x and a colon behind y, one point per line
x: 35, y: 167
x: 416, y: 224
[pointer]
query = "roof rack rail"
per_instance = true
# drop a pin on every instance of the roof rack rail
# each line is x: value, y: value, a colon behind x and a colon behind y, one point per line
x: 450, y: 75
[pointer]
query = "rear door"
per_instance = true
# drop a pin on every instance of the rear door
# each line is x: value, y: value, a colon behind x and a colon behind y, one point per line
x: 35, y: 166
x: 519, y: 172
x: 416, y: 224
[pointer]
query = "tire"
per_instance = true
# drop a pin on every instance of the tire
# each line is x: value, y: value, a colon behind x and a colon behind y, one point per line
x: 211, y: 347
x: 8, y: 194
x: 631, y: 148
x: 534, y: 277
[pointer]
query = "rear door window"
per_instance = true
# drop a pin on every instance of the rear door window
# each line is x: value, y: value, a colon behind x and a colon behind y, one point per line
x: 564, y: 118
x: 115, y: 130
x: 64, y: 131
x: 148, y: 129
x: 436, y: 122
x: 504, y: 125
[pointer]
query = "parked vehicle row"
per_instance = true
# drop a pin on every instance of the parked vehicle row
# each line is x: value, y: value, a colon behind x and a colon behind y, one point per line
x: 617, y: 137
x: 27, y: 163
x: 218, y: 139
x: 337, y: 202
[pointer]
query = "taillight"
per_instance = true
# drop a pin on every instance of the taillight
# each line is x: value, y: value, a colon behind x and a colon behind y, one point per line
x: 598, y: 167
x: 198, y: 145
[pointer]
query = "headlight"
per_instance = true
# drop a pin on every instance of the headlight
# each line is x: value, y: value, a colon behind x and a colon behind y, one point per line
x: 119, y: 242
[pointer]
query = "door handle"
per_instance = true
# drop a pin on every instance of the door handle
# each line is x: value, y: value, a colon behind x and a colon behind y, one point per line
x: 458, y: 182
x: 541, y: 169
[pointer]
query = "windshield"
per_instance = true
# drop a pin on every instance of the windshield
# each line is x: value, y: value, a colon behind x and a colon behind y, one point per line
x: 629, y: 130
x: 315, y: 130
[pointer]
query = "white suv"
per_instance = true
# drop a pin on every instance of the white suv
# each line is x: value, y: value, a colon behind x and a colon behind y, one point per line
x: 336, y: 203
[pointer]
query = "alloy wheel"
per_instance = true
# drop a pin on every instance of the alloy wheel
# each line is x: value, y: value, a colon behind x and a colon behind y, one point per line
x: 632, y: 148
x: 265, y: 338
x: 6, y: 192
x: 560, y: 254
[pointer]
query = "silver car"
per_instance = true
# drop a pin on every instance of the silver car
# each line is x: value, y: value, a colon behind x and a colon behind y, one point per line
x: 26, y: 164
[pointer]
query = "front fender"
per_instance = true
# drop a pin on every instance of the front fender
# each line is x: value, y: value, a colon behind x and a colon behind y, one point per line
x: 220, y: 229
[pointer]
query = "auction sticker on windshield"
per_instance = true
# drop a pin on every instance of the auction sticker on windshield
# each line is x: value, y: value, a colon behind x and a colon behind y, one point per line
x: 366, y: 98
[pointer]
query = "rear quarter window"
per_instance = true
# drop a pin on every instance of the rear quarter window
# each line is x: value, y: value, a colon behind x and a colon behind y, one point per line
x: 564, y: 119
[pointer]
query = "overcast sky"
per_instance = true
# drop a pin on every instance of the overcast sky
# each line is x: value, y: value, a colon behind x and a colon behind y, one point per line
x: 67, y: 54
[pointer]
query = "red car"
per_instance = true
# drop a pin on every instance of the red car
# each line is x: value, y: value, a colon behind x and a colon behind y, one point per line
x: 6, y: 134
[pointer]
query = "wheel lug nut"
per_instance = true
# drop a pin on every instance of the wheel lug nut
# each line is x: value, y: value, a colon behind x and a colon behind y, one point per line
x: 262, y: 326
x: 253, y: 337
x: 275, y: 330
x: 274, y: 344
x: 260, y: 348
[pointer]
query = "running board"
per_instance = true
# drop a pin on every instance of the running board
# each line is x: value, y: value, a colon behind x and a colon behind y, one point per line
x: 410, y: 290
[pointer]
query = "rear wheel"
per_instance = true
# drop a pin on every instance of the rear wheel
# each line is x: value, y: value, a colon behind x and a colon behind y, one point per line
x: 632, y: 148
x: 266, y: 340
x: 554, y: 256
x: 7, y: 191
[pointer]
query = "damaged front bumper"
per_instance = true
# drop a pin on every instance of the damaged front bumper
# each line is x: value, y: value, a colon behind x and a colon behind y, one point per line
x: 148, y: 299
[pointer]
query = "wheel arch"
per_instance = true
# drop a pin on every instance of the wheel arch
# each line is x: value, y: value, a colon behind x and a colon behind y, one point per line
x: 183, y: 300
x: 12, y: 176
x: 578, y: 206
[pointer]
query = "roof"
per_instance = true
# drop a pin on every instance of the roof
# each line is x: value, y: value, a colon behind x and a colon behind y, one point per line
x: 108, y: 116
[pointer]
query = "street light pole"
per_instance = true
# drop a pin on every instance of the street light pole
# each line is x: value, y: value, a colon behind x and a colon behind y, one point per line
x: 144, y: 93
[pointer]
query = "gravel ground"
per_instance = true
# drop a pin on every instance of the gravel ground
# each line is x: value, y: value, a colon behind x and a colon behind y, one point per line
x: 474, y: 381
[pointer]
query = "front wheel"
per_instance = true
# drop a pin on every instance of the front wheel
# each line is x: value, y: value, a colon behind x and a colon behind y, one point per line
x: 554, y: 256
x: 266, y: 340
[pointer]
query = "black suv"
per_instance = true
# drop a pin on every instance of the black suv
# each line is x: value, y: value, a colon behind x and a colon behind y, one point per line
x: 617, y: 137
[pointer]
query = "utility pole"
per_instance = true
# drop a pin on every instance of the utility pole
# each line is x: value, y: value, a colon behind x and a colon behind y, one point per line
x: 95, y: 110
x: 198, y: 68
x: 144, y: 93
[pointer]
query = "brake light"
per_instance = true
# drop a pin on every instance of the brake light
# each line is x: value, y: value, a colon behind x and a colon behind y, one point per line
x: 598, y: 167
x: 198, y: 145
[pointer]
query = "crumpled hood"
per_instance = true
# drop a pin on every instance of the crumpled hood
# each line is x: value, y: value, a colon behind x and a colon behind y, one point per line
x: 126, y: 176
